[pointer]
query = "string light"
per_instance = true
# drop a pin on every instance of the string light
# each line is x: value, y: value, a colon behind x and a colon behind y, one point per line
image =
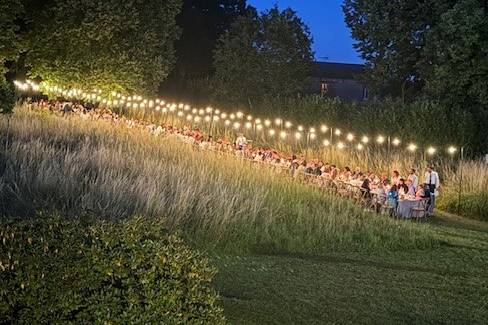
x: 412, y: 147
x: 137, y: 101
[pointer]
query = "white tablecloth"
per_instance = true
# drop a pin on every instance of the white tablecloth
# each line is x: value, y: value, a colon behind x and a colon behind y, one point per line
x: 404, y: 209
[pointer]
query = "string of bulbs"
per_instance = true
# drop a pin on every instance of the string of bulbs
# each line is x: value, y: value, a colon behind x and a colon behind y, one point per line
x: 236, y: 120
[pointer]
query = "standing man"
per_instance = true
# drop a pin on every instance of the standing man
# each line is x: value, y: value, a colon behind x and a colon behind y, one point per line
x: 432, y: 185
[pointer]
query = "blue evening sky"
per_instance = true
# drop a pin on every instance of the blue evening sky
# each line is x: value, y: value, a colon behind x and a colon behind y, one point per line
x: 332, y: 38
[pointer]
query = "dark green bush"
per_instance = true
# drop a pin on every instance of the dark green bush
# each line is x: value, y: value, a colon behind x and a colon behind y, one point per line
x: 7, y: 98
x: 54, y: 270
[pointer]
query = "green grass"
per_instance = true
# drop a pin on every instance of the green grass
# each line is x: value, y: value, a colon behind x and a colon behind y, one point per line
x: 446, y: 285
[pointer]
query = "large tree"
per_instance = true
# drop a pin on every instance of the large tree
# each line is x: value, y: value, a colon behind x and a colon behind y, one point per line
x: 9, y: 38
x: 10, y: 46
x: 124, y: 45
x: 390, y: 38
x: 202, y: 22
x: 458, y: 51
x: 263, y: 55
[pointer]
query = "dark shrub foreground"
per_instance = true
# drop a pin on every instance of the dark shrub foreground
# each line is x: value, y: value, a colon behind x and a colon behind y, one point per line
x: 54, y: 270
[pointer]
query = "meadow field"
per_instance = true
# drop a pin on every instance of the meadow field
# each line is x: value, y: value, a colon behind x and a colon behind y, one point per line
x: 285, y: 252
x: 464, y: 182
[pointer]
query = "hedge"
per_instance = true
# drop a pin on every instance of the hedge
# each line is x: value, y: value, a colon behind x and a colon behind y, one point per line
x: 55, y: 270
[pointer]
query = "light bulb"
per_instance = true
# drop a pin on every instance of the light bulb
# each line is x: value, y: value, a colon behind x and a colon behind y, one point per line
x: 451, y: 150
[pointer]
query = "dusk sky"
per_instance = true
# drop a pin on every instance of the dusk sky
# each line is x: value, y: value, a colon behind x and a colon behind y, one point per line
x: 332, y: 39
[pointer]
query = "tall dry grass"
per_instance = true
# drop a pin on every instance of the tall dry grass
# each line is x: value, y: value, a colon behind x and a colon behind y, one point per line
x: 466, y: 190
x: 375, y: 158
x: 91, y: 168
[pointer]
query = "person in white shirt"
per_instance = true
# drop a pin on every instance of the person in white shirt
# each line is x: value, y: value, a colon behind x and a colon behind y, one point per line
x: 413, y: 177
x: 241, y: 142
x: 432, y: 184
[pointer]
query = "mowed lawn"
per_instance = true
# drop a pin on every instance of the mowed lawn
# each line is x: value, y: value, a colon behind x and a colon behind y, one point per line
x: 447, y: 285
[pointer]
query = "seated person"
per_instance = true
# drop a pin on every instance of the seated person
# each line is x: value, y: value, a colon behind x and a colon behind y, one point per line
x: 393, y: 196
x: 402, y: 187
x: 420, y: 194
x: 411, y: 188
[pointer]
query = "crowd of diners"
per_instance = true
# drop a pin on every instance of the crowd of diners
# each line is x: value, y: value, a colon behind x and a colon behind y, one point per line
x: 372, y: 190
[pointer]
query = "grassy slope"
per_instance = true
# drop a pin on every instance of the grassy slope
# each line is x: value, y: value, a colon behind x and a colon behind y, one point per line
x: 445, y: 285
x: 87, y: 168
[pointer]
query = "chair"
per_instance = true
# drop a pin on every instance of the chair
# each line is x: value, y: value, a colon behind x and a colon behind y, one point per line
x: 387, y: 208
x: 419, y: 211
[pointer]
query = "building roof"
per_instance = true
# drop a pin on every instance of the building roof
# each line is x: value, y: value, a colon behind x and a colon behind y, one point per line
x: 336, y: 70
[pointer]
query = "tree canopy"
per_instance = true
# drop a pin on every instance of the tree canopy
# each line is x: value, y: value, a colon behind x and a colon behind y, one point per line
x: 124, y: 45
x: 9, y: 38
x: 202, y: 22
x: 263, y: 55
x: 435, y: 48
